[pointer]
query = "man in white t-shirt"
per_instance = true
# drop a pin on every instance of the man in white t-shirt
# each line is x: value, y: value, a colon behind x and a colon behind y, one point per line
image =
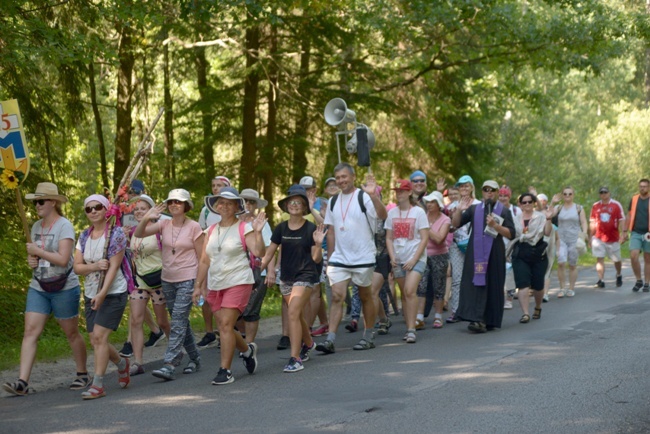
x: 206, y: 219
x: 351, y: 251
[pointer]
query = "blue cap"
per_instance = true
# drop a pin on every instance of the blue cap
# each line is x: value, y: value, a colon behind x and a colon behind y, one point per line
x: 137, y: 186
x: 417, y: 173
x: 464, y: 180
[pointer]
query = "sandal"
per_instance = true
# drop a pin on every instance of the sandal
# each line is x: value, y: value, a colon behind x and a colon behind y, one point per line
x: 538, y: 313
x: 93, y: 393
x: 124, y: 376
x: 192, y: 367
x: 20, y: 387
x: 364, y: 345
x: 437, y: 323
x: 81, y: 382
x: 524, y: 318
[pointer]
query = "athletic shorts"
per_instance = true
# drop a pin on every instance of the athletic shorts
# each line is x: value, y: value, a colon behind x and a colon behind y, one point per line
x: 109, y: 314
x: 235, y: 297
x: 156, y: 295
x: 286, y: 287
x: 382, y: 265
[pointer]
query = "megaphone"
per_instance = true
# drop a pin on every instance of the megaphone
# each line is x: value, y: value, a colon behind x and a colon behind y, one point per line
x: 337, y: 112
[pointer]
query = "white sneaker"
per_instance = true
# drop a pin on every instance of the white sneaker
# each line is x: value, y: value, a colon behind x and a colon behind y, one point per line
x: 507, y: 304
x: 570, y: 293
x: 545, y: 298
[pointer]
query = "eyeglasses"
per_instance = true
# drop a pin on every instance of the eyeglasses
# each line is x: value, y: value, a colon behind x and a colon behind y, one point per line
x: 295, y: 202
x: 489, y: 189
x: 417, y: 181
x: 175, y: 202
x: 97, y: 207
x: 251, y: 202
x: 526, y: 202
x: 41, y: 202
x: 568, y: 194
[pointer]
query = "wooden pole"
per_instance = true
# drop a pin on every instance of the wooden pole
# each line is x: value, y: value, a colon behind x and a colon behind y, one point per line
x: 23, y: 217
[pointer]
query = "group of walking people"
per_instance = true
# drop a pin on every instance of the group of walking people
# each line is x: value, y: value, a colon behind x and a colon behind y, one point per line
x: 445, y: 250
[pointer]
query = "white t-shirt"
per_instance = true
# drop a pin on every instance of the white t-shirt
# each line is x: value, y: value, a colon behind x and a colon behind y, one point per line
x: 406, y: 226
x: 208, y: 218
x: 94, y: 252
x: 354, y: 238
x: 48, y: 239
x: 229, y: 264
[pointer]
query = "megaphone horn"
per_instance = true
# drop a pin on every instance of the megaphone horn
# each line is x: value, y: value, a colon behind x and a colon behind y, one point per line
x: 337, y: 112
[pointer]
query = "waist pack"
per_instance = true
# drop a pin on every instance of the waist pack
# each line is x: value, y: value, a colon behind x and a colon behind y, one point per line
x: 153, y: 279
x: 54, y: 284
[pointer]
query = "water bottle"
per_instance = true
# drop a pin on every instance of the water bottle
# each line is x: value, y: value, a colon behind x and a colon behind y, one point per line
x: 201, y: 301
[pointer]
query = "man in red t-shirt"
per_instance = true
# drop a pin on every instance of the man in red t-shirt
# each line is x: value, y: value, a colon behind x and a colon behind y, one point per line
x: 606, y: 222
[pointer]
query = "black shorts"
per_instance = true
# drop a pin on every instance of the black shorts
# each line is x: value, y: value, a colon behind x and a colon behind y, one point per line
x: 109, y: 314
x: 530, y: 274
x: 254, y: 306
x: 382, y: 265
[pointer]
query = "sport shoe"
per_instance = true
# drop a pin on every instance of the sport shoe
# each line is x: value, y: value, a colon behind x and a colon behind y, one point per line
x: 193, y: 366
x: 224, y: 376
x: 136, y: 369
x: 364, y: 344
x: 352, y: 326
x: 305, y: 351
x: 127, y: 350
x: 166, y: 373
x: 646, y: 288
x: 599, y: 284
x: 410, y: 338
x: 326, y: 347
x: 250, y: 362
x: 284, y: 343
x: 208, y: 340
x: 294, y: 365
x: 321, y: 330
x: 419, y: 324
x: 507, y: 304
x: 619, y: 281
x: 124, y: 375
x: 384, y: 326
x: 545, y: 298
x: 452, y: 319
x: 637, y: 286
x: 570, y: 293
x: 154, y: 339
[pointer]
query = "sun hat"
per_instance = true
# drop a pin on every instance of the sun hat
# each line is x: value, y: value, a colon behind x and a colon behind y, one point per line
x: 307, y: 182
x: 295, y: 190
x: 434, y: 195
x: 464, y: 180
x: 250, y: 194
x: 180, y: 194
x: 229, y: 193
x: 542, y: 196
x: 403, y: 184
x: 492, y: 184
x: 147, y: 199
x: 46, y: 190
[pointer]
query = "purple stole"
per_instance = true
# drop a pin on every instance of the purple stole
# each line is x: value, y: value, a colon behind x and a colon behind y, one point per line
x: 482, y: 243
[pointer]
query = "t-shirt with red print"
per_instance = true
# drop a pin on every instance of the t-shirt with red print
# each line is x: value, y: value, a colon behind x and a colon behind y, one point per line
x: 406, y: 226
x: 607, y: 218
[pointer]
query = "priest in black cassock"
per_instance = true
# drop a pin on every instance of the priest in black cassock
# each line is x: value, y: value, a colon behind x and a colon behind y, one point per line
x: 484, y: 272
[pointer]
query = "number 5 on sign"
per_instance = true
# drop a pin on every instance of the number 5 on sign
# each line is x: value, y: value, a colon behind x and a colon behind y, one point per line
x: 14, y: 154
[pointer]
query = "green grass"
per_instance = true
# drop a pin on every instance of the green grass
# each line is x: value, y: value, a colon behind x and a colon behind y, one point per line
x: 53, y: 344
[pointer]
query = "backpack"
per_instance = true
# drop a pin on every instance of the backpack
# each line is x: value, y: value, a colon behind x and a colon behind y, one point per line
x: 361, y: 205
x: 125, y: 266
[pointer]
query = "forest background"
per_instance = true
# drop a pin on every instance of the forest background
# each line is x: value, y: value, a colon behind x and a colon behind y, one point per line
x: 527, y: 92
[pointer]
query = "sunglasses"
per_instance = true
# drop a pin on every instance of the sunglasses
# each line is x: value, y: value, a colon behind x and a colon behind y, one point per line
x: 568, y: 194
x: 489, y: 189
x: 97, y: 207
x: 295, y: 202
x: 417, y: 181
x: 175, y: 202
x: 41, y: 202
x: 251, y: 202
x: 526, y: 202
x: 604, y: 192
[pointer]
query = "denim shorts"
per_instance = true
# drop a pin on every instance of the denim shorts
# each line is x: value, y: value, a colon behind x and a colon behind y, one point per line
x: 399, y: 272
x: 64, y: 304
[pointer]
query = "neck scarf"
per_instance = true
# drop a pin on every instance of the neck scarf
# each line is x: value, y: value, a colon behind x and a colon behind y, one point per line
x: 482, y: 242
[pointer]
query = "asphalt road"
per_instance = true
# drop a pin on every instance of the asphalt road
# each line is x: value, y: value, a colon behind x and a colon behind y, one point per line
x: 582, y: 368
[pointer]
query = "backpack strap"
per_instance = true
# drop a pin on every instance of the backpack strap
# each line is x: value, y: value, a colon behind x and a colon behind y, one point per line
x: 333, y: 201
x: 359, y: 198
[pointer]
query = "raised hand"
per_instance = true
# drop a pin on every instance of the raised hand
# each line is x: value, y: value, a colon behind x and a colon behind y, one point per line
x: 154, y: 213
x: 465, y: 203
x: 557, y: 198
x: 370, y: 186
x: 319, y: 234
x: 441, y: 184
x: 259, y: 222
x: 311, y: 196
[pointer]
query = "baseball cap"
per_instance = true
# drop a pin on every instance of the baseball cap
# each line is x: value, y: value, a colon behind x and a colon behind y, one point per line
x: 491, y: 184
x: 464, y: 180
x: 403, y: 184
x: 307, y: 182
x: 603, y: 189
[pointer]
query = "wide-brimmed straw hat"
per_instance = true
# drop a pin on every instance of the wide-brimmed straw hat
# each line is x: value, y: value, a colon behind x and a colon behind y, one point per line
x: 229, y: 193
x: 46, y: 190
x: 295, y: 190
x: 180, y: 194
x: 250, y: 194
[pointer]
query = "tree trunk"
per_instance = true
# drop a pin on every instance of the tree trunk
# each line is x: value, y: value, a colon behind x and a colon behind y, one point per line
x: 170, y: 167
x: 249, y: 131
x: 206, y: 112
x: 48, y: 152
x: 98, y: 124
x: 267, y: 152
x: 300, y: 141
x: 124, y: 101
